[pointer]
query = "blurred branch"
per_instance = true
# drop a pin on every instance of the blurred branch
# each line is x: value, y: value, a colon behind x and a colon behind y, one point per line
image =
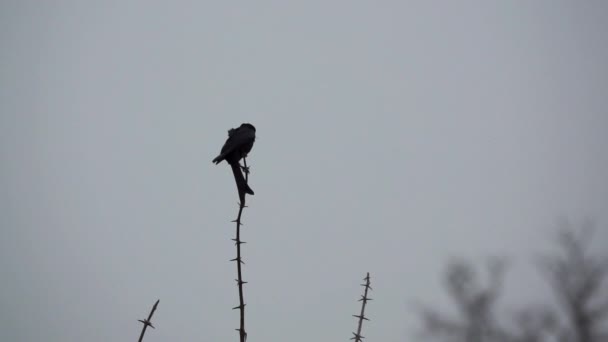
x: 577, y: 279
x: 364, y: 299
x: 147, y: 322
x: 536, y: 323
x: 475, y: 303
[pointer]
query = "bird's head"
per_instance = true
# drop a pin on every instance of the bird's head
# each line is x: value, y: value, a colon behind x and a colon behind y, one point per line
x: 248, y: 125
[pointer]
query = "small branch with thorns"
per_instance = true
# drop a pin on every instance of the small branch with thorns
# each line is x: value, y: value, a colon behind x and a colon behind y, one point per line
x: 364, y: 299
x: 239, y: 262
x: 147, y: 322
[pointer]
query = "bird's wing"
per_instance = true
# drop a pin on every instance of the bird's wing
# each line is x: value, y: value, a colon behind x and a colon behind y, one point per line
x: 237, y: 139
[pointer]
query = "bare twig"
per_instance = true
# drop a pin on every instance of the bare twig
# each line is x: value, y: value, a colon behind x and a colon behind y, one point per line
x: 357, y: 336
x: 239, y: 262
x: 147, y: 322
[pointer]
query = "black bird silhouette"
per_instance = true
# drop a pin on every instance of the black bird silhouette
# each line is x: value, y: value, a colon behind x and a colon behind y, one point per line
x: 239, y: 144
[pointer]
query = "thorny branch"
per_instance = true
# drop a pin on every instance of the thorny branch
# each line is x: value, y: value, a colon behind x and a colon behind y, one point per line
x: 357, y: 336
x: 147, y: 322
x: 239, y: 262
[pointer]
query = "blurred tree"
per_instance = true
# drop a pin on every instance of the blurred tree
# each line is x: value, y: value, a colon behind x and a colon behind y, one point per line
x: 475, y: 304
x: 575, y: 276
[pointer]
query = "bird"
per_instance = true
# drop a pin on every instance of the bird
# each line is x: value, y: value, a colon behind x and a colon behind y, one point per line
x: 237, y: 146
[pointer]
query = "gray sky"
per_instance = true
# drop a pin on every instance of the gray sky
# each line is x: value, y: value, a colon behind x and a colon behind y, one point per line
x: 392, y: 135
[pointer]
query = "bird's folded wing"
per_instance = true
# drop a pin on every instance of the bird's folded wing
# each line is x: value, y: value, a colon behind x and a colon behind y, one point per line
x: 238, y: 138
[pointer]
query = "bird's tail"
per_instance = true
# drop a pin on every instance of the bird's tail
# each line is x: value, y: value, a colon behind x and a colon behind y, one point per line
x: 241, y: 184
x: 218, y: 159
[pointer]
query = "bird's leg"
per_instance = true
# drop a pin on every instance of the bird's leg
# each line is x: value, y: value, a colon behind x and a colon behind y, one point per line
x: 244, y: 167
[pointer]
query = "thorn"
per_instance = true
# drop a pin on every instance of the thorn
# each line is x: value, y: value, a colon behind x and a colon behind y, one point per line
x: 146, y: 322
x: 357, y: 337
x: 238, y: 259
x: 242, y: 332
x: 238, y: 307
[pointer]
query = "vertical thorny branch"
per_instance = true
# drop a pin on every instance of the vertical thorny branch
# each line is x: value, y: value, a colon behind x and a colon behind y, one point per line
x: 147, y: 322
x: 357, y: 336
x: 239, y: 262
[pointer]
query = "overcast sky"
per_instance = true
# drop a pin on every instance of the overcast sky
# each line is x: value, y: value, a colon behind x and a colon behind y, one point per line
x: 392, y: 135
